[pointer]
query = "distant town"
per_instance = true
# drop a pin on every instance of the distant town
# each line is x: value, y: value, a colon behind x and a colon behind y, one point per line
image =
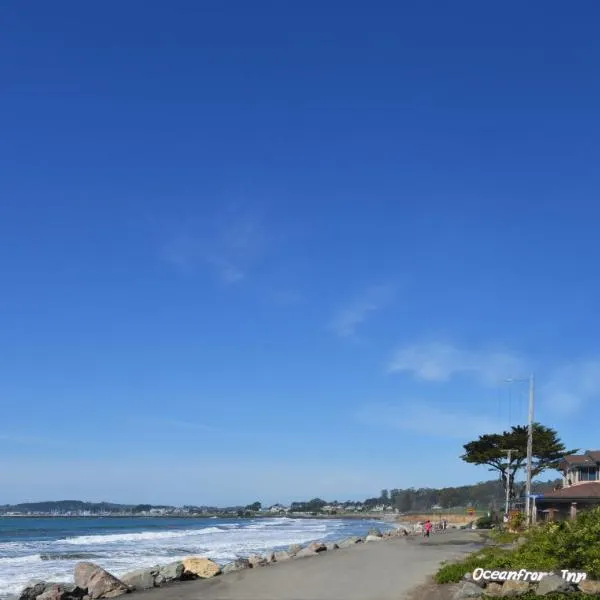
x: 76, y: 508
x: 487, y: 495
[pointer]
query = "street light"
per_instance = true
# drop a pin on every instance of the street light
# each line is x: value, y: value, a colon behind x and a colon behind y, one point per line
x: 531, y: 381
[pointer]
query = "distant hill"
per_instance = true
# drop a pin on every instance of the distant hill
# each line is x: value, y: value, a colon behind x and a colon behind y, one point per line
x: 483, y: 495
x: 63, y: 506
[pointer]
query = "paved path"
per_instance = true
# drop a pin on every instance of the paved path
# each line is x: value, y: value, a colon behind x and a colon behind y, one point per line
x: 385, y: 570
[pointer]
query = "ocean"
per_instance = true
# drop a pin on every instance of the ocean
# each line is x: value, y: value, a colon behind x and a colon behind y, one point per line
x: 49, y: 548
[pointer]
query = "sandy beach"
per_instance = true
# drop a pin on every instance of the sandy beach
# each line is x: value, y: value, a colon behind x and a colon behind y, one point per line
x: 389, y: 569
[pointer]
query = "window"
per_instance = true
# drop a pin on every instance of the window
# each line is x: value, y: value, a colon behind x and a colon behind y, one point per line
x: 588, y: 474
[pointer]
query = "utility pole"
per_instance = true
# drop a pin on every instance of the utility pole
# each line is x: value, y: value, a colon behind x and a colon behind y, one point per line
x: 529, y: 448
x: 509, y: 452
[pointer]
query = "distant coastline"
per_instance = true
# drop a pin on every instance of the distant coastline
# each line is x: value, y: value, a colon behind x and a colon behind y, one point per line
x: 366, y: 516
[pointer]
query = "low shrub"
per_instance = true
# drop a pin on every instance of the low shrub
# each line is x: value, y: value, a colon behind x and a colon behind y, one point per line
x: 484, y: 522
x: 570, y: 545
x: 503, y: 536
x: 488, y: 558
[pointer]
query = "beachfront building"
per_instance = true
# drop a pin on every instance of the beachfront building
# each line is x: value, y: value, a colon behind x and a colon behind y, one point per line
x: 278, y: 509
x: 580, y: 488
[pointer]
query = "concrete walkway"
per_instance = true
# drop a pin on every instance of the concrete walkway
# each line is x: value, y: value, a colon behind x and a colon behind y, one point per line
x: 385, y: 570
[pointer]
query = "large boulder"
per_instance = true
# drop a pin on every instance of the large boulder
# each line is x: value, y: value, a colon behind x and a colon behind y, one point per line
x: 373, y: 538
x: 169, y: 572
x: 468, y: 590
x: 552, y: 584
x: 62, y: 591
x: 98, y: 582
x: 237, y: 565
x: 495, y: 590
x: 317, y: 547
x: 294, y: 549
x: 588, y: 586
x: 256, y: 560
x: 306, y: 552
x: 142, y: 579
x: 346, y: 543
x: 269, y: 556
x: 33, y: 590
x: 331, y: 546
x: 282, y: 555
x: 202, y: 568
x: 514, y: 588
x: 83, y: 572
x: 374, y: 531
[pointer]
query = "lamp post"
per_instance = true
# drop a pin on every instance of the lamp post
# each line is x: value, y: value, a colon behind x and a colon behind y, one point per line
x: 531, y: 381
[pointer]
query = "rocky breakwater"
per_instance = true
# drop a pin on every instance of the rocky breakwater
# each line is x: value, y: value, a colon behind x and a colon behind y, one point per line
x: 92, y: 582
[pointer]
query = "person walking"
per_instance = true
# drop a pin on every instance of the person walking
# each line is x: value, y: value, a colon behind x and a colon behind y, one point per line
x: 427, y: 528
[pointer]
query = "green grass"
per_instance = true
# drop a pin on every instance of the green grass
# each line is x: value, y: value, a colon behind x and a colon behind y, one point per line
x: 573, y: 545
x: 502, y: 536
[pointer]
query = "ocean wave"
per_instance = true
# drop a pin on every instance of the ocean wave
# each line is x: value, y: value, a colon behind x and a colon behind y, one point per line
x: 19, y: 560
x: 82, y: 540
x: 70, y: 556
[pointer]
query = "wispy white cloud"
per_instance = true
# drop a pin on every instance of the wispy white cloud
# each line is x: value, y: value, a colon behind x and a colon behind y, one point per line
x: 231, y: 248
x: 350, y: 317
x: 569, y: 387
x: 428, y: 419
x: 563, y: 389
x: 440, y: 362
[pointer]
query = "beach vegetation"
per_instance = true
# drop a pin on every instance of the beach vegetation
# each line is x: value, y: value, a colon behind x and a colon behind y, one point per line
x: 553, y: 546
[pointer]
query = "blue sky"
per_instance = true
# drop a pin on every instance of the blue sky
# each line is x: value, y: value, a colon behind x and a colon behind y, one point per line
x: 280, y: 250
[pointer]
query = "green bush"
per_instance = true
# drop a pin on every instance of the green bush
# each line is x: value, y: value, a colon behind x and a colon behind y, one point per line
x: 484, y: 522
x: 573, y: 545
x: 503, y: 536
x: 517, y: 521
x: 488, y: 558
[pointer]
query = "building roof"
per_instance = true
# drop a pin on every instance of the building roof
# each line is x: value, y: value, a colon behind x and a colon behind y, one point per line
x: 588, y: 458
x: 578, y: 491
x: 579, y: 459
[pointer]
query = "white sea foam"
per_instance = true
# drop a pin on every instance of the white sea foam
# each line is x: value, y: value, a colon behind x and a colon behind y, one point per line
x: 55, y: 559
x: 85, y: 540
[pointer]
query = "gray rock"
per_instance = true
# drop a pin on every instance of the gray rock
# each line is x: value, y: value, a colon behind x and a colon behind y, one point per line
x: 33, y: 590
x: 256, y: 560
x: 142, y: 579
x: 468, y: 590
x: 375, y: 532
x: 61, y: 591
x: 349, y: 542
x: 294, y: 549
x: 98, y: 582
x: 269, y: 556
x: 493, y: 589
x: 83, y: 572
x: 553, y: 583
x: 318, y: 547
x: 469, y: 577
x: 331, y: 546
x: 373, y: 538
x: 306, y: 552
x: 514, y: 588
x: 169, y: 572
x: 237, y: 565
x: 590, y: 587
x: 282, y: 555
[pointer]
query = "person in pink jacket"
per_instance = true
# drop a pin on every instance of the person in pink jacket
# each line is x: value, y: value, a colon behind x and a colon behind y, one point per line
x: 427, y: 528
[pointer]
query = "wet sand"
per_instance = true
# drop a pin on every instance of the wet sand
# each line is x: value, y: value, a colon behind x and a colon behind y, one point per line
x: 385, y: 570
